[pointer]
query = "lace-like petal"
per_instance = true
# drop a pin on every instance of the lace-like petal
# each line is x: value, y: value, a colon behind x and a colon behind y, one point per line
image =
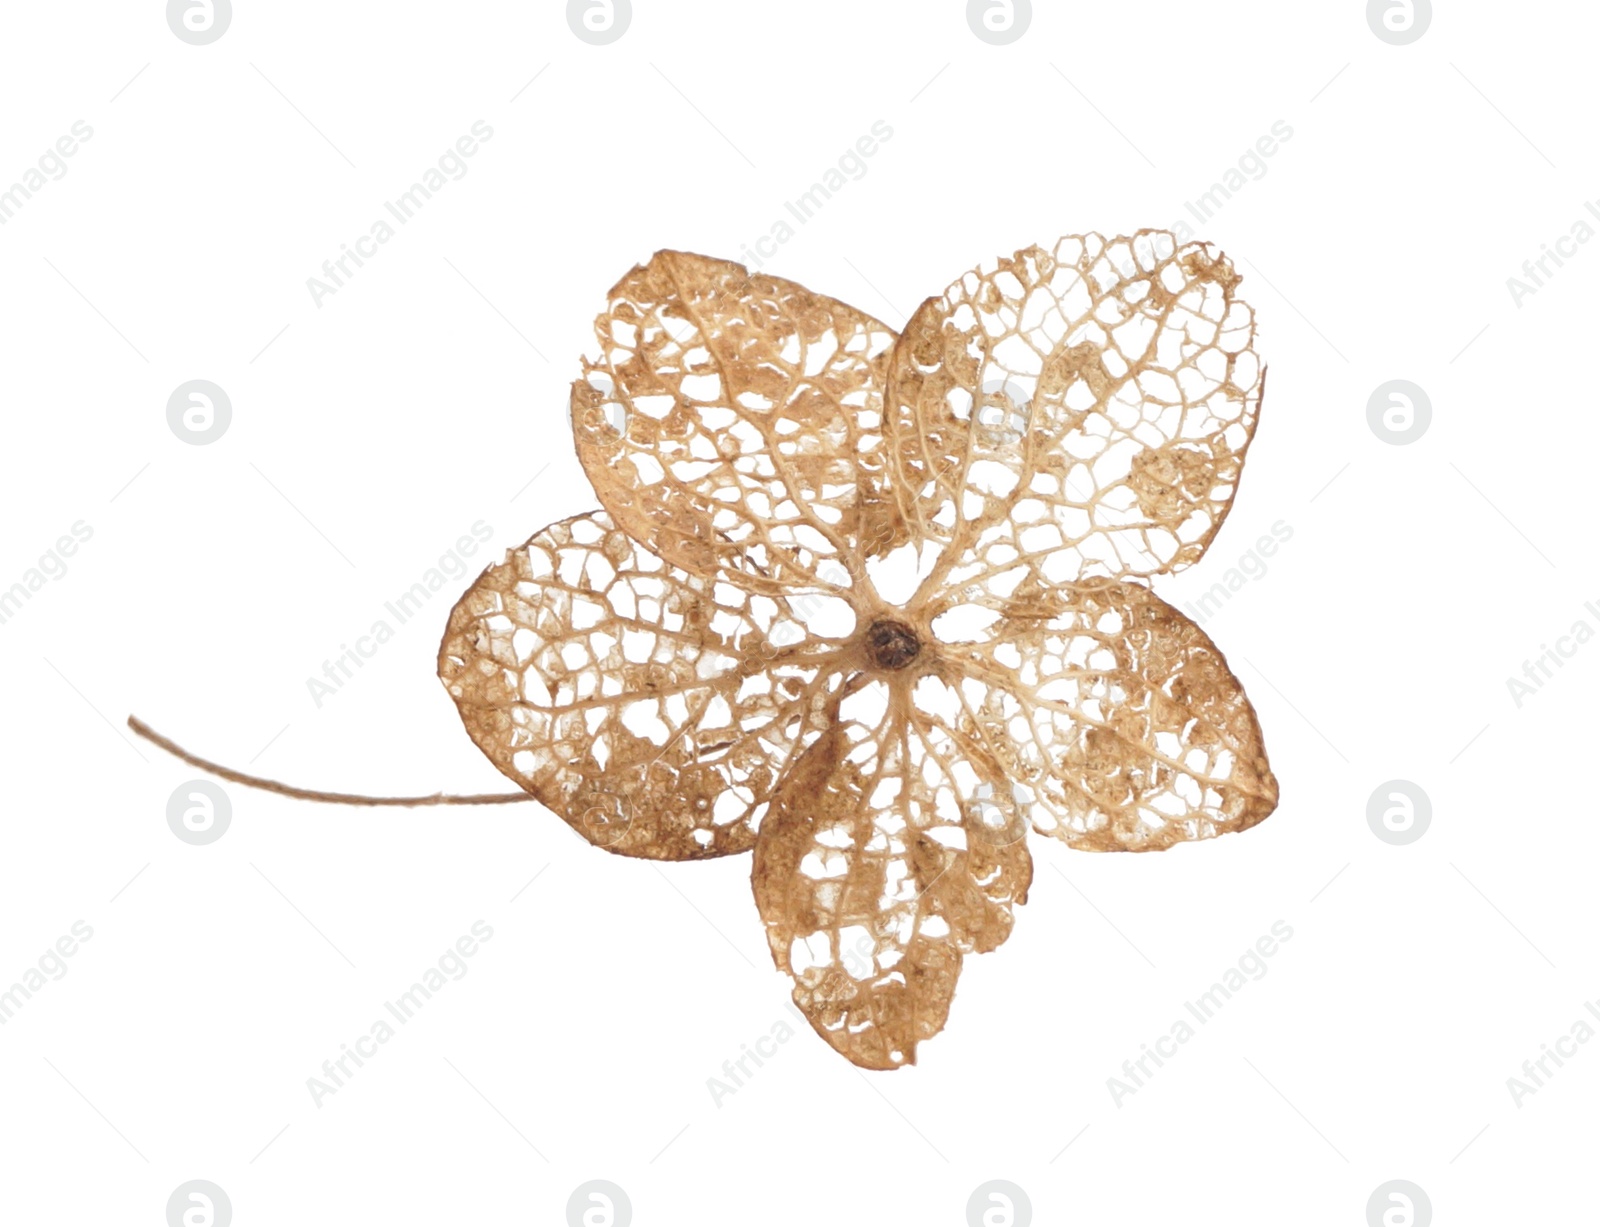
x: 653, y: 710
x: 880, y: 865
x: 1087, y: 408
x: 1126, y: 730
x: 732, y: 423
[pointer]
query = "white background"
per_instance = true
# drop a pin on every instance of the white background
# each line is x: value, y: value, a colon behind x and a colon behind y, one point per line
x: 429, y: 393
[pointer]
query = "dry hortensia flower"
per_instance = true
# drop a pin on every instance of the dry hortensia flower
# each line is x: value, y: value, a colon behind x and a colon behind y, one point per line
x: 870, y: 606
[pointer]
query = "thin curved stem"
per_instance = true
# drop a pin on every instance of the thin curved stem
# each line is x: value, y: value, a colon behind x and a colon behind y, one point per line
x: 312, y: 794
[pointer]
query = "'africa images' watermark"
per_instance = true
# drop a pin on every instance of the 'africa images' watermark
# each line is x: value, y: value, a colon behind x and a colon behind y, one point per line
x: 1539, y: 269
x: 1536, y: 1071
x: 337, y: 1071
x: 851, y: 165
x: 199, y: 22
x: 1251, y: 166
x: 199, y: 812
x: 52, y: 163
x: 599, y: 22
x: 199, y: 412
x: 199, y: 1203
x: 737, y: 1071
x: 337, y: 272
x: 51, y: 965
x: 999, y: 22
x: 1399, y: 812
x: 999, y: 1203
x: 1136, y: 1071
x: 1252, y: 565
x: 1543, y: 667
x: 52, y: 564
x: 599, y: 1203
x: 1399, y: 1203
x: 1399, y: 412
x: 451, y: 565
x: 1399, y: 22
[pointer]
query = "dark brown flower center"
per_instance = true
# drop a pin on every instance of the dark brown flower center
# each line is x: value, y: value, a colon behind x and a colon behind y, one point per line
x: 891, y: 644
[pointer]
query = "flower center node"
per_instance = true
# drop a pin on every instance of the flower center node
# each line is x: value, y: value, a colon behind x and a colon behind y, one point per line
x: 892, y: 645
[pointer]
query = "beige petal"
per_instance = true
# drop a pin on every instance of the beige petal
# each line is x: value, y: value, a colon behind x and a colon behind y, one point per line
x: 1087, y: 408
x: 653, y: 710
x: 888, y: 854
x: 1125, y: 728
x: 732, y: 423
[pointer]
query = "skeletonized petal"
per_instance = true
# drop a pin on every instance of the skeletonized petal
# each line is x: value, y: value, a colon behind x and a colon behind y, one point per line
x: 1086, y: 407
x: 888, y: 854
x: 732, y: 423
x: 653, y: 710
x: 1127, y: 730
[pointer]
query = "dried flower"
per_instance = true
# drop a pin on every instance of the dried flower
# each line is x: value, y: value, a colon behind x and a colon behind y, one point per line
x: 870, y: 606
